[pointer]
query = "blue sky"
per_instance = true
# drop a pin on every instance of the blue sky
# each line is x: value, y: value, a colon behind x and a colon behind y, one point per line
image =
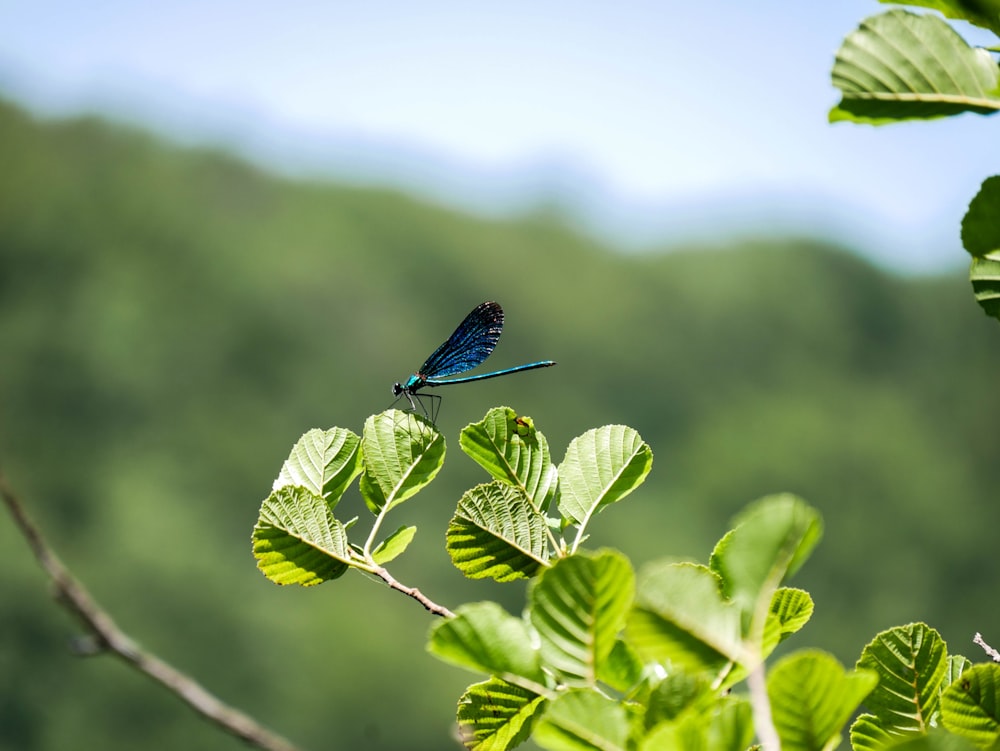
x: 659, y: 120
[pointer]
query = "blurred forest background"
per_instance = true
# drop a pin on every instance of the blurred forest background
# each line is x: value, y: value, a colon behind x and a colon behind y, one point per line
x: 171, y: 321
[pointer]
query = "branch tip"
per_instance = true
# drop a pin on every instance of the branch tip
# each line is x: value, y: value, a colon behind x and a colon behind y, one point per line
x: 104, y: 636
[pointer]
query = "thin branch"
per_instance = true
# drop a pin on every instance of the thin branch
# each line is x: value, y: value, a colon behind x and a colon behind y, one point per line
x: 108, y: 637
x: 416, y: 594
x: 994, y: 654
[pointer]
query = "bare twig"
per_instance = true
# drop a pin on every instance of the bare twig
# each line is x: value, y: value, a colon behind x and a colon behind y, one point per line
x: 108, y: 637
x: 994, y: 654
x: 416, y: 594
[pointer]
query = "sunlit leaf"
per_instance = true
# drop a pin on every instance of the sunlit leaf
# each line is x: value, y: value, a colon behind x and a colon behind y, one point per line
x: 583, y: 720
x: 868, y: 735
x: 911, y: 662
x: 936, y: 740
x: 393, y: 545
x: 681, y: 617
x: 970, y: 707
x: 768, y: 543
x: 324, y: 462
x: 622, y: 670
x: 724, y: 725
x: 900, y: 65
x: 790, y: 610
x: 513, y: 452
x: 497, y: 533
x: 957, y: 664
x: 484, y: 638
x: 495, y: 715
x: 984, y: 273
x: 677, y: 693
x: 297, y: 540
x: 730, y: 725
x: 578, y: 606
x: 984, y: 13
x: 402, y: 453
x: 684, y: 734
x: 602, y: 466
x: 812, y: 698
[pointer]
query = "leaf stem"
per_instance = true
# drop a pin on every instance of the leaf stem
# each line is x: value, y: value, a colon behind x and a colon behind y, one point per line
x: 579, y: 534
x: 376, y: 525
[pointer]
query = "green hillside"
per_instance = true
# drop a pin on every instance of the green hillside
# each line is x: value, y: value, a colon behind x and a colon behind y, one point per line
x: 172, y: 320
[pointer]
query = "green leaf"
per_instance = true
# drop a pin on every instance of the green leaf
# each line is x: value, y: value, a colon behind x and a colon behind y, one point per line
x: 936, y: 740
x: 983, y: 13
x: 393, y: 545
x: 957, y: 664
x: 724, y: 725
x: 497, y: 533
x: 684, y: 734
x: 771, y: 540
x: 483, y: 637
x: 900, y: 65
x: 496, y: 715
x: 622, y: 670
x: 970, y: 707
x: 984, y: 273
x: 680, y: 617
x: 910, y: 662
x: 578, y: 606
x: 583, y: 720
x: 677, y: 693
x: 297, y: 540
x: 602, y: 466
x: 790, y: 610
x: 812, y: 698
x: 981, y: 238
x: 510, y: 449
x: 981, y: 223
x: 868, y: 735
x: 730, y: 726
x: 402, y: 452
x: 324, y: 462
